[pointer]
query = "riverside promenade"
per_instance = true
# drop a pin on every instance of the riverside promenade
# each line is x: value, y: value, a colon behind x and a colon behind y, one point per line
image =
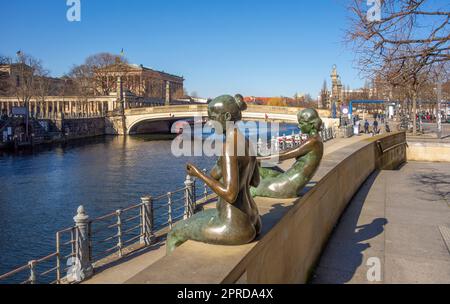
x: 401, y: 218
x: 132, y: 266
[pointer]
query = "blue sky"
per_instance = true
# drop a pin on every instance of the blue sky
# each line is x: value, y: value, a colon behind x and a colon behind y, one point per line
x: 252, y: 47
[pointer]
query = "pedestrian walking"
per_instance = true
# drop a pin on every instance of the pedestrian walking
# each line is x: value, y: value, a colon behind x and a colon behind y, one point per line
x: 375, y: 127
x: 366, y: 127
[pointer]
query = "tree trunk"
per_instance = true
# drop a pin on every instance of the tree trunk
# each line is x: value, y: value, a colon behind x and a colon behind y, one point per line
x: 414, y: 111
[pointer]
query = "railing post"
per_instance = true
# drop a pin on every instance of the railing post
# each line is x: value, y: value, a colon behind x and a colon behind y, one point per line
x: 194, y: 189
x: 147, y: 220
x: 58, y: 258
x: 119, y: 232
x: 170, y: 221
x: 82, y: 268
x: 274, y: 145
x: 189, y: 203
x: 205, y: 188
x: 32, y: 265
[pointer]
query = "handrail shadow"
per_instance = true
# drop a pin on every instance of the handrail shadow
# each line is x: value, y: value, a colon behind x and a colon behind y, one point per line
x: 343, y: 253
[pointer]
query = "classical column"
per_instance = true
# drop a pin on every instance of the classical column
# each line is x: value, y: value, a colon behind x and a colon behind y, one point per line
x: 33, y: 109
x: 167, y: 93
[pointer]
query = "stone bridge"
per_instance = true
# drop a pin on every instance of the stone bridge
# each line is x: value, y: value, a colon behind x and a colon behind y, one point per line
x: 161, y: 119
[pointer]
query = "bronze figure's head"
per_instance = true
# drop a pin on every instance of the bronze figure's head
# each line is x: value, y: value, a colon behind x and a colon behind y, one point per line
x: 309, y: 121
x: 226, y: 108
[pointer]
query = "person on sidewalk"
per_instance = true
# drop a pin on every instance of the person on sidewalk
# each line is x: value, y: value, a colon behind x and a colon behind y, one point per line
x: 375, y: 127
x: 366, y: 127
x: 388, y: 128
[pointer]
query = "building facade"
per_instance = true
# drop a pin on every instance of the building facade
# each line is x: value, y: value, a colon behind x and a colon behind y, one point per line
x: 140, y: 81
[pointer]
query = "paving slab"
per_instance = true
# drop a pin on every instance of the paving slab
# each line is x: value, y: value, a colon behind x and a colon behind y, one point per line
x: 397, y: 217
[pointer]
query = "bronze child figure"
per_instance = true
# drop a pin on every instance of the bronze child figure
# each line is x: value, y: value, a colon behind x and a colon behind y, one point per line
x: 278, y: 184
x: 236, y: 220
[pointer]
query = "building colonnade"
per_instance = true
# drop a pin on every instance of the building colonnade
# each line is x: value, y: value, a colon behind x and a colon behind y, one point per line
x: 52, y: 109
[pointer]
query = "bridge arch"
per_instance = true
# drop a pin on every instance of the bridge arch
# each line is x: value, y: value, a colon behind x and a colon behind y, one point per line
x: 155, y: 125
x: 162, y: 116
x: 170, y: 114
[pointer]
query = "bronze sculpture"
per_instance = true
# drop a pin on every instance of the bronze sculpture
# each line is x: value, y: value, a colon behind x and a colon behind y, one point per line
x: 276, y: 183
x: 236, y: 220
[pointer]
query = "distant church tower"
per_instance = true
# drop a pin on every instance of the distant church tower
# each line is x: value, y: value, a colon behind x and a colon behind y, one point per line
x: 336, y: 91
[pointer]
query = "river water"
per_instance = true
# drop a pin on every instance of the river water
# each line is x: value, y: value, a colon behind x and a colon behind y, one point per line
x: 40, y: 191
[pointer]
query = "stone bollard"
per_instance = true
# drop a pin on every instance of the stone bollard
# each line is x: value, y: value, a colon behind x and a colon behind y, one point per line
x: 189, y: 201
x: 259, y: 148
x: 274, y: 145
x: 82, y: 268
x: 147, y: 221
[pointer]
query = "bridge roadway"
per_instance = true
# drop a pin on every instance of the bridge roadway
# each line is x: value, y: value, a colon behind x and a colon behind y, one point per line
x: 401, y: 218
x: 129, y: 267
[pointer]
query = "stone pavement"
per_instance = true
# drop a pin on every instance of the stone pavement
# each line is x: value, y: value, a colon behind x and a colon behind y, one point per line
x: 399, y: 219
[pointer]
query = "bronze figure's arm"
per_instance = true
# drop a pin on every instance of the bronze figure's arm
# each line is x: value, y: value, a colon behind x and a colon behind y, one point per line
x: 229, y: 190
x: 305, y: 148
x: 300, y: 151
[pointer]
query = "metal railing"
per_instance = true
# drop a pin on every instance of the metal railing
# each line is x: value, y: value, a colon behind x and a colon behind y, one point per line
x: 284, y: 143
x: 89, y: 243
x: 346, y: 131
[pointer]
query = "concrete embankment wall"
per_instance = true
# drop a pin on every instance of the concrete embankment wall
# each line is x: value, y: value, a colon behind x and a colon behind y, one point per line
x: 294, y: 231
x: 83, y: 128
x: 288, y: 253
x: 428, y: 151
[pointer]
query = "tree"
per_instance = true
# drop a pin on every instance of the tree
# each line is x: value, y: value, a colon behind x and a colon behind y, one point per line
x: 27, y: 71
x: 277, y: 102
x: 324, y: 95
x: 404, y: 45
x: 5, y: 81
x: 82, y: 77
x: 91, y: 77
x: 42, y: 83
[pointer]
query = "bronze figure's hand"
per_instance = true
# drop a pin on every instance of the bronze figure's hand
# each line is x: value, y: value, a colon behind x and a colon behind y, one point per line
x: 192, y: 170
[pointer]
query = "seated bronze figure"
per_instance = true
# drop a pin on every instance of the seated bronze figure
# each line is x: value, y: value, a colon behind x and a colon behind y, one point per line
x: 276, y: 183
x: 236, y: 220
